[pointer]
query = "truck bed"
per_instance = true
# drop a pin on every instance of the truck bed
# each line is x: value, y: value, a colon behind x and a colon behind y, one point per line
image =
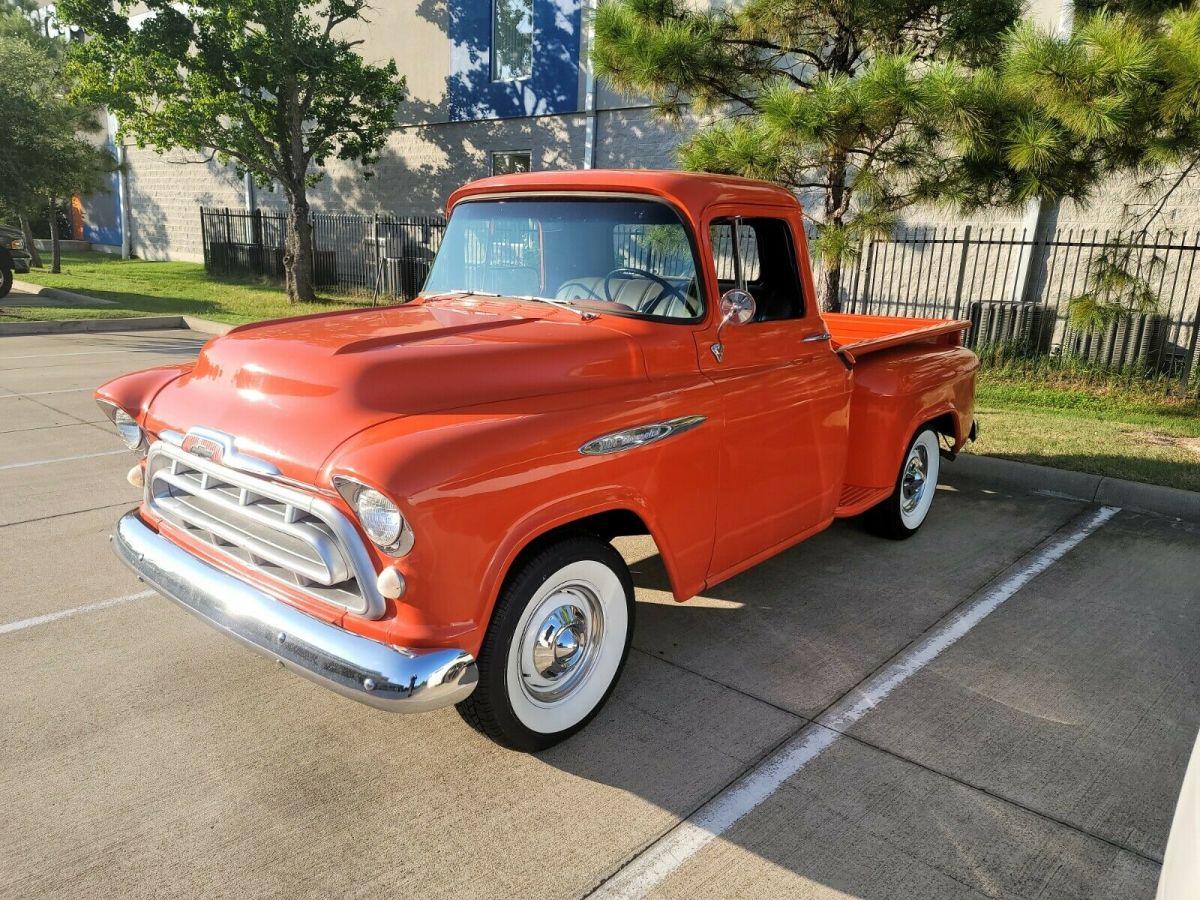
x: 855, y: 336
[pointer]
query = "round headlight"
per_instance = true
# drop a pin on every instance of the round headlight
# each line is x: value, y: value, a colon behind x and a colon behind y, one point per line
x: 128, y: 429
x: 380, y: 518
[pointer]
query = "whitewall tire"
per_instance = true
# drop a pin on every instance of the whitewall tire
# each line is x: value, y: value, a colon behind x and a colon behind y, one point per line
x: 557, y: 642
x: 902, y: 513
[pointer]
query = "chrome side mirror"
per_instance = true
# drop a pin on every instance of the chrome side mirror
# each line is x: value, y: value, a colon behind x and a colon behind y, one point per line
x: 737, y: 307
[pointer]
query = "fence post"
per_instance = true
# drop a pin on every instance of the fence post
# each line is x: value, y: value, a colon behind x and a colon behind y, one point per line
x: 853, y: 298
x: 1189, y: 361
x: 204, y: 239
x: 962, y: 272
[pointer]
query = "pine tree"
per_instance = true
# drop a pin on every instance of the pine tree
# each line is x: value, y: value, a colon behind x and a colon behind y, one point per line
x: 857, y: 105
x: 1057, y: 119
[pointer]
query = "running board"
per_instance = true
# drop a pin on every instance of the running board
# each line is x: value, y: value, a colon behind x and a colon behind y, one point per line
x: 856, y: 499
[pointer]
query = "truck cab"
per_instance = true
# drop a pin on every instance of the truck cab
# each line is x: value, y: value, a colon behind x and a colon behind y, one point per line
x: 414, y: 505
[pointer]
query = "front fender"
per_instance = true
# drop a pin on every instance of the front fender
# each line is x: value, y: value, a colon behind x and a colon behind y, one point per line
x: 135, y: 391
x: 478, y: 486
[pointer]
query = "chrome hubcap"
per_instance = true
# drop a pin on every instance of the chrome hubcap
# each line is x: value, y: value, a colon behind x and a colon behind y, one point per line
x: 559, y: 643
x: 912, y: 485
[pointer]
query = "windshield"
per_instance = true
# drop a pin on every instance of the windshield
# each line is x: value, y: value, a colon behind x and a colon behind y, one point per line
x: 625, y: 257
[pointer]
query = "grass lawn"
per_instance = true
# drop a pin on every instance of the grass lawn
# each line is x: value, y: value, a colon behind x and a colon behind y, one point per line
x: 1120, y: 432
x: 1123, y: 434
x: 141, y: 288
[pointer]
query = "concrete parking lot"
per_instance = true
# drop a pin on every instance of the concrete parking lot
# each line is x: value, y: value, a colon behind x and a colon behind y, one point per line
x: 1001, y: 707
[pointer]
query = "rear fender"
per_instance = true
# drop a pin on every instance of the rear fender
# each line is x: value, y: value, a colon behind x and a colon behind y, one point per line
x: 897, y: 392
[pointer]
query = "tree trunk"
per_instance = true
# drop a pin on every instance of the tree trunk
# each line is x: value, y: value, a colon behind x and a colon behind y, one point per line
x: 837, y: 202
x: 298, y: 250
x: 829, y: 293
x: 27, y: 232
x: 55, y: 245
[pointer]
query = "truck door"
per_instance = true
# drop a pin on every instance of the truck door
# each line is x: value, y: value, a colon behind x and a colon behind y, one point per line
x: 785, y: 393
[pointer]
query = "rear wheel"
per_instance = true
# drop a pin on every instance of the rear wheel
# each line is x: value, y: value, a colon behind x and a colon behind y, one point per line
x: 6, y: 281
x: 556, y: 645
x: 900, y: 515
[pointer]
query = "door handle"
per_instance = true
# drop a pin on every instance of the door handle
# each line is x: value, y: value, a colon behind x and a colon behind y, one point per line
x: 813, y: 338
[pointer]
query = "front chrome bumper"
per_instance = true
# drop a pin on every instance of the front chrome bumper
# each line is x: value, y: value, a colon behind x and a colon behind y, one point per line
x: 384, y: 676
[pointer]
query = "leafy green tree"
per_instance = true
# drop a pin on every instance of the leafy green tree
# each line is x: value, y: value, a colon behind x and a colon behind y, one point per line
x: 45, y: 155
x: 267, y: 84
x: 855, y: 104
x: 1059, y: 117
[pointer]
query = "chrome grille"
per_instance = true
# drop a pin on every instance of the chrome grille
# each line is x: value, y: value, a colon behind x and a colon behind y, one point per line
x: 284, y: 533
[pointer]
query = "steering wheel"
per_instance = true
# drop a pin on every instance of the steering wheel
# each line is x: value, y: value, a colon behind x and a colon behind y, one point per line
x: 668, y: 289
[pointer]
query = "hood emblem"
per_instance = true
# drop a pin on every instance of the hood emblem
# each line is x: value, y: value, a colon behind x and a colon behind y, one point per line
x: 205, y: 448
x: 220, y: 448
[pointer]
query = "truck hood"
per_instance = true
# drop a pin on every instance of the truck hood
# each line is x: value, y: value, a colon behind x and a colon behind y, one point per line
x: 292, y: 391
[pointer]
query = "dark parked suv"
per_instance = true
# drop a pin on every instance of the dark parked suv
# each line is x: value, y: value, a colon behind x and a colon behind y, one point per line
x: 14, y: 257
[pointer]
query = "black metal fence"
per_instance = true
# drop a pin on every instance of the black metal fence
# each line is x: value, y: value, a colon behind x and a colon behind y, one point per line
x: 1017, y: 292
x: 384, y: 256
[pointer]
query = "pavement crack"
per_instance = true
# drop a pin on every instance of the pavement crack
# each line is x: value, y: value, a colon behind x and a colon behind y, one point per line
x: 1009, y: 801
x: 723, y: 684
x: 74, y: 512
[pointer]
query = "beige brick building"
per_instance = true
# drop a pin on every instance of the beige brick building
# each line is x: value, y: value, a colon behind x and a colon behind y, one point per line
x: 480, y: 99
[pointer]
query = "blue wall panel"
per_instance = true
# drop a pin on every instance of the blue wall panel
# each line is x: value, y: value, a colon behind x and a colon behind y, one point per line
x: 102, y: 213
x: 553, y: 87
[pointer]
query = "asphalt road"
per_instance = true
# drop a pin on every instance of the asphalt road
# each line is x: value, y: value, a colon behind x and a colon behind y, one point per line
x: 1001, y: 707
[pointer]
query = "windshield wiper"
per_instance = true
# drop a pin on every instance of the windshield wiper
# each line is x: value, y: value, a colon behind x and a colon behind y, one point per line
x: 561, y: 304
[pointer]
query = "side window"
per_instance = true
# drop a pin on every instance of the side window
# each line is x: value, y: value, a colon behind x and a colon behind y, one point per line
x: 767, y: 258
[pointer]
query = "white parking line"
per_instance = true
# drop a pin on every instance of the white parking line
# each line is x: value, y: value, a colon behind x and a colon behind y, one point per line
x: 46, y: 462
x: 656, y: 863
x: 46, y: 393
x: 167, y: 350
x: 56, y: 355
x: 67, y: 613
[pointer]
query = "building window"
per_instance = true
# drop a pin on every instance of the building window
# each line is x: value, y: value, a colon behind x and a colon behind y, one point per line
x: 512, y: 39
x: 509, y: 162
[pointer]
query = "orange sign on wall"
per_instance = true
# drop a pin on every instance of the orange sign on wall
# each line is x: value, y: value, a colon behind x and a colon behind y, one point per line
x: 76, y: 218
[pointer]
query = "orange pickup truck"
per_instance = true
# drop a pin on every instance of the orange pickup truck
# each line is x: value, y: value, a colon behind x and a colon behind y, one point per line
x: 414, y: 505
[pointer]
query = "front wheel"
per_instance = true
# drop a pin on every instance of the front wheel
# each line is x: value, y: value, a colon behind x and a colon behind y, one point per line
x: 6, y: 281
x: 556, y: 645
x: 900, y: 515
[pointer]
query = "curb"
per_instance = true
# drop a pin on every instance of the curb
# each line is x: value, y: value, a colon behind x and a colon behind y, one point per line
x: 1133, y: 495
x: 93, y: 326
x: 59, y: 294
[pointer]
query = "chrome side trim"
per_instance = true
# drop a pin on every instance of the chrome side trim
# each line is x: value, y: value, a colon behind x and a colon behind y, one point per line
x: 639, y: 436
x: 388, y: 677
